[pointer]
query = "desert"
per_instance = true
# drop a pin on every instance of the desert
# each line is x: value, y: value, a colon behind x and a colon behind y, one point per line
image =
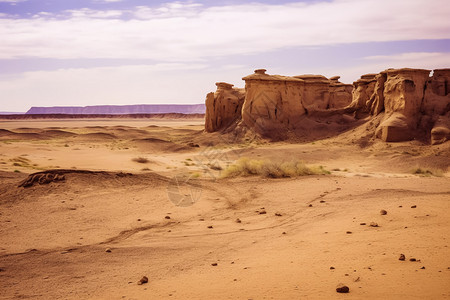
x: 160, y: 208
x: 224, y: 149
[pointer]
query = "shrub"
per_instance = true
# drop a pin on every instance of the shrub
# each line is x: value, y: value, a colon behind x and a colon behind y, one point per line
x: 141, y: 160
x: 266, y: 168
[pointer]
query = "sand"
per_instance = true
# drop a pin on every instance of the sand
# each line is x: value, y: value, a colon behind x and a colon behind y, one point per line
x: 95, y: 234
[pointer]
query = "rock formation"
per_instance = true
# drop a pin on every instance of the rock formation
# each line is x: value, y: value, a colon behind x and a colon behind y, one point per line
x: 411, y: 104
x: 223, y: 107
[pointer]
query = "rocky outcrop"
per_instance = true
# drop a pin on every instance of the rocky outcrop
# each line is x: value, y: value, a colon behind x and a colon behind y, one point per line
x: 223, y: 107
x: 403, y: 95
x: 272, y: 101
x: 409, y: 102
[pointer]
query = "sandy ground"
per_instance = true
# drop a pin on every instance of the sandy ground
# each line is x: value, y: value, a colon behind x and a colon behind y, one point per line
x: 96, y: 234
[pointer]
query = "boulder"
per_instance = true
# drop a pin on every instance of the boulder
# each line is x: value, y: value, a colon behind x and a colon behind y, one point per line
x: 223, y: 107
x: 441, y: 130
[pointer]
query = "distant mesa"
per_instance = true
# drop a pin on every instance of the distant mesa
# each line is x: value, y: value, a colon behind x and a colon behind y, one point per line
x: 397, y: 104
x: 120, y: 109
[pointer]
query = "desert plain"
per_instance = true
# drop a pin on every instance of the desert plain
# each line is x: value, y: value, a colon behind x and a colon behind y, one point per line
x: 151, y: 198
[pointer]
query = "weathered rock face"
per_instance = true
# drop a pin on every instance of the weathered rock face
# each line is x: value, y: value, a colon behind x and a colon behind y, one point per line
x: 316, y: 92
x: 272, y: 101
x: 223, y: 107
x: 441, y: 130
x: 340, y: 93
x: 413, y: 104
x: 362, y: 91
x: 403, y: 94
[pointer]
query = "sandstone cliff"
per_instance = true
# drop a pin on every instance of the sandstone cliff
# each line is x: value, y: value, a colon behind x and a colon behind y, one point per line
x: 409, y: 102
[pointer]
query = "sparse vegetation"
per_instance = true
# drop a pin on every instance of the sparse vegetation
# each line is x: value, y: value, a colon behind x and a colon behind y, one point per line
x: 215, y: 166
x: 195, y: 175
x: 21, y: 162
x: 141, y: 160
x: 427, y: 172
x: 266, y: 168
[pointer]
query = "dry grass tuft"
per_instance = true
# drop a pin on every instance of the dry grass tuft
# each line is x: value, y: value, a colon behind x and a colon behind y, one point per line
x: 141, y: 160
x: 266, y: 168
x: 427, y: 172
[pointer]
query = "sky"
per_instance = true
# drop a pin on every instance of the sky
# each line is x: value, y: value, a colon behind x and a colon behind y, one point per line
x: 97, y: 52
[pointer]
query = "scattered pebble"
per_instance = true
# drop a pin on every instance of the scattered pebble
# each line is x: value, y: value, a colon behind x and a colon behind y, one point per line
x: 201, y: 219
x: 423, y: 268
x: 373, y: 224
x: 310, y: 205
x: 342, y: 288
x: 402, y: 257
x: 108, y: 250
x: 143, y: 280
x: 210, y: 227
x: 349, y: 232
x: 414, y: 206
x: 214, y: 264
x: 362, y: 223
x: 284, y: 232
x: 238, y: 220
x: 400, y: 206
x: 262, y: 212
x: 383, y: 212
x: 278, y: 214
x: 322, y: 201
x: 167, y: 217
x: 139, y: 220
x: 332, y: 268
x: 412, y: 259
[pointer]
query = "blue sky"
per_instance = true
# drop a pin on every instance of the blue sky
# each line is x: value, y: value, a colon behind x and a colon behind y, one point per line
x: 87, y: 52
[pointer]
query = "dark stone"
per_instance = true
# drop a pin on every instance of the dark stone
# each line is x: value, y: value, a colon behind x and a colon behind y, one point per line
x: 342, y: 289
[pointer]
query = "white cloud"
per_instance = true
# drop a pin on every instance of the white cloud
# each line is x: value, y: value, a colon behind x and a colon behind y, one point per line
x: 188, y: 32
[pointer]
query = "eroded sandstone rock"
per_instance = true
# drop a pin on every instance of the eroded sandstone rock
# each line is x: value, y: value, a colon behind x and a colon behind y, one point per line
x: 223, y: 107
x: 272, y: 101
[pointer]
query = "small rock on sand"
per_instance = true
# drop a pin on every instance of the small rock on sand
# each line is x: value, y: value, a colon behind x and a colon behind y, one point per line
x: 373, y: 224
x: 362, y: 223
x: 210, y: 227
x: 342, y: 288
x: 349, y: 232
x: 108, y: 250
x: 214, y: 264
x: 238, y: 220
x: 383, y: 212
x: 143, y: 280
x: 262, y: 212
x: 412, y: 259
x: 167, y: 217
x: 414, y: 206
x: 332, y: 268
x: 402, y: 257
x: 310, y: 205
x: 278, y: 214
